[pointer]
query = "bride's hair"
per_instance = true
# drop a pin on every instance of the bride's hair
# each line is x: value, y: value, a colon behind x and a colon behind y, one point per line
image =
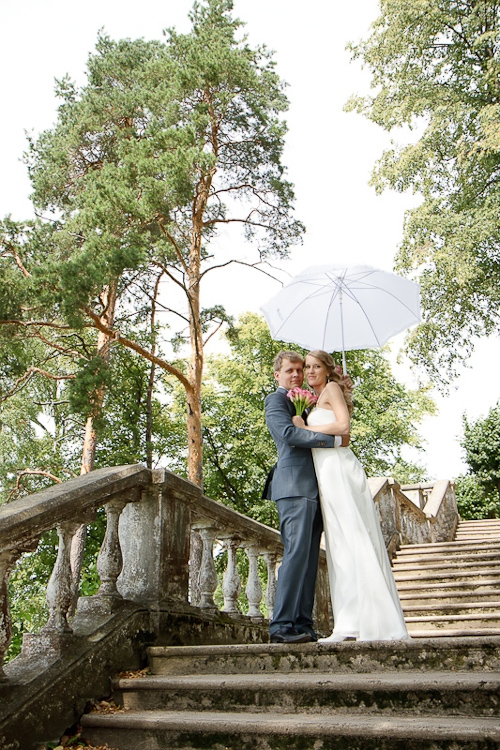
x: 334, y: 375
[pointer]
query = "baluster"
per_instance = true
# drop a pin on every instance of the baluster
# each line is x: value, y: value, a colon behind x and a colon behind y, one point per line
x: 110, y: 560
x: 231, y: 583
x: 59, y: 589
x: 271, y: 559
x: 253, y: 588
x: 8, y: 559
x: 208, y: 574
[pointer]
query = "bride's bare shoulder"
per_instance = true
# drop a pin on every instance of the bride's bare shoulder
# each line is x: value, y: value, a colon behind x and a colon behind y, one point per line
x: 332, y: 388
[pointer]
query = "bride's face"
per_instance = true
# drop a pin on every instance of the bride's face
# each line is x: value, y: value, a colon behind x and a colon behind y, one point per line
x: 316, y: 372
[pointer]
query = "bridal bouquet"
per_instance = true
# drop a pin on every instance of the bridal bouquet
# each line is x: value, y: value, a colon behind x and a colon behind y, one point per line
x: 301, y: 399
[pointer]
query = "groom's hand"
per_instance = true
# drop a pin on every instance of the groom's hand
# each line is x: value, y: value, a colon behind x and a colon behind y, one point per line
x: 346, y: 439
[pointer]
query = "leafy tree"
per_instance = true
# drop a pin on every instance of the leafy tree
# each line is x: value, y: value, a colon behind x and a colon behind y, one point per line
x: 386, y: 417
x: 40, y: 438
x: 41, y: 426
x: 481, y: 444
x: 473, y: 500
x: 165, y: 143
x: 435, y: 70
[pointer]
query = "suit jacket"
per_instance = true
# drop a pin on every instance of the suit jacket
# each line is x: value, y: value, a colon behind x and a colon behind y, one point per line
x: 294, y: 474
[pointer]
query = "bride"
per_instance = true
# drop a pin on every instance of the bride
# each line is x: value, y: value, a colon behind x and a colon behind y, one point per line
x: 365, y: 600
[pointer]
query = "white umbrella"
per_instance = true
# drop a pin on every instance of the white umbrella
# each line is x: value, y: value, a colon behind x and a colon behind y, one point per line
x: 335, y: 308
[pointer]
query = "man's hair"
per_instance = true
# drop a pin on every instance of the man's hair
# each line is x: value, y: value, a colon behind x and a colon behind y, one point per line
x: 291, y: 356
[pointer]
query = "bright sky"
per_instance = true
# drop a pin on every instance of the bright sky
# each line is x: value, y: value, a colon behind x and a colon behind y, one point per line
x: 329, y: 154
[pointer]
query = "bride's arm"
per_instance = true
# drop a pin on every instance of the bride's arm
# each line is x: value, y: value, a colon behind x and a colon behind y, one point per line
x: 334, y: 400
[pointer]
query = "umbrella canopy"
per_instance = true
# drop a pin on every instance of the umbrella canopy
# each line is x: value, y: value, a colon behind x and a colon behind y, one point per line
x: 338, y: 309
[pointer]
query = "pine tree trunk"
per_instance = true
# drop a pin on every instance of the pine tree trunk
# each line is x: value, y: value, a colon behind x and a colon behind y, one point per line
x: 194, y: 435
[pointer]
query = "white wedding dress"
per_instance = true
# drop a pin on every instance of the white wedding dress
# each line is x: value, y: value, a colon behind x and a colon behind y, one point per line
x: 365, y: 599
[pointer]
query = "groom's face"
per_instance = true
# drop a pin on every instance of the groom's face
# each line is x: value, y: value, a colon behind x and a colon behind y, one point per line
x: 291, y: 374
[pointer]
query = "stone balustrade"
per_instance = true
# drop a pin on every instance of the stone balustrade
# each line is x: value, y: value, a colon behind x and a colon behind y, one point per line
x: 145, y: 555
x: 415, y: 514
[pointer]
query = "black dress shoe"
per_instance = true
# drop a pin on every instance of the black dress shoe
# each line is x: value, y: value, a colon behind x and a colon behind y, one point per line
x: 308, y: 631
x: 289, y: 635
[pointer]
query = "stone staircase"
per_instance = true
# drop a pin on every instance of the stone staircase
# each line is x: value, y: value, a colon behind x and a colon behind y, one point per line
x: 452, y: 588
x: 433, y: 693
x: 425, y: 694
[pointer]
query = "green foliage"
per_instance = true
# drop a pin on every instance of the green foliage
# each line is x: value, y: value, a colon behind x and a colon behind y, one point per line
x: 481, y: 444
x: 123, y: 438
x: 435, y: 70
x: 386, y: 417
x: 238, y: 449
x: 40, y: 440
x: 473, y: 500
x: 84, y: 391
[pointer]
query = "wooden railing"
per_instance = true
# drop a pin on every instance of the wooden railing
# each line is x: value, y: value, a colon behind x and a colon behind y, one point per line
x: 145, y: 555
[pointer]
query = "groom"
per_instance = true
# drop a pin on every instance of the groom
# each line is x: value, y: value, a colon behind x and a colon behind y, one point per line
x: 295, y: 490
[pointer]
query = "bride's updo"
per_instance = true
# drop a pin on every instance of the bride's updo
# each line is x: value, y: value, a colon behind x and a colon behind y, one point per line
x: 334, y: 374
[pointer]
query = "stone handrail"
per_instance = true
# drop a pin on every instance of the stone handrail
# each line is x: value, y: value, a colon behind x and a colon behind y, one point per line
x: 441, y: 510
x: 145, y: 555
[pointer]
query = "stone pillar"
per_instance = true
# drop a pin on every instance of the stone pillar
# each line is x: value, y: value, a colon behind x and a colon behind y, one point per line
x: 110, y: 560
x: 271, y: 559
x: 231, y: 584
x: 208, y: 573
x: 253, y: 588
x: 154, y: 537
x: 60, y: 586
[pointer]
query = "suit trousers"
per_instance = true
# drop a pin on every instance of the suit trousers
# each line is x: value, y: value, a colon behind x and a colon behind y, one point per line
x: 301, y: 526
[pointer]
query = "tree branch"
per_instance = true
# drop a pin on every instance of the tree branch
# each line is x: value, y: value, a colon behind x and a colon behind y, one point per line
x: 27, y: 376
x: 118, y: 338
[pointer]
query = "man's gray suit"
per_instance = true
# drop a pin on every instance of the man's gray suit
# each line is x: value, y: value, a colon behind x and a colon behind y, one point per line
x: 295, y: 490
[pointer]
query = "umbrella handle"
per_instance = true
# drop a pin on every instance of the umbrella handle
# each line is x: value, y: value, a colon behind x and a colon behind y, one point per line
x: 344, y: 367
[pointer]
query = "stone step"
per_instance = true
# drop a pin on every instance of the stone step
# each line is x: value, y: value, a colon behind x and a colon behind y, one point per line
x: 448, y: 608
x: 477, y: 620
x: 450, y: 564
x: 443, y: 546
x: 213, y: 730
x: 484, y: 524
x: 428, y: 654
x: 484, y: 584
x: 422, y: 633
x: 493, y: 541
x: 425, y: 629
x: 447, y: 553
x: 446, y: 575
x: 467, y: 693
x: 454, y: 557
x: 441, y: 596
x: 476, y: 535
